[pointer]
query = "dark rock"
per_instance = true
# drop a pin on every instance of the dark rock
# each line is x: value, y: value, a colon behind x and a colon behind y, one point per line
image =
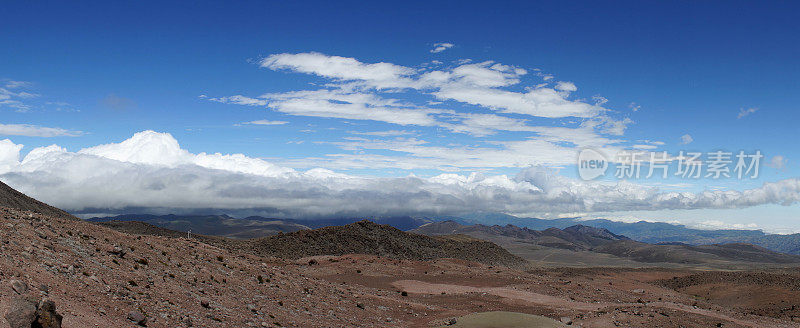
x: 21, y: 312
x: 19, y: 287
x: 138, y: 318
x: 46, y: 316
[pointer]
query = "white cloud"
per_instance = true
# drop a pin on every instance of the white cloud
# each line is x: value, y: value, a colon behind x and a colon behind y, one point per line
x: 566, y: 86
x: 29, y: 130
x: 12, y: 99
x: 486, y: 124
x: 686, y: 139
x: 18, y: 96
x: 387, y: 133
x: 718, y: 224
x: 340, y: 104
x: 266, y: 122
x: 540, y: 102
x: 9, y: 155
x: 439, y: 47
x: 746, y: 112
x: 552, y: 146
x: 336, y: 67
x: 151, y: 172
x: 472, y: 83
x: 17, y: 84
x: 475, y: 98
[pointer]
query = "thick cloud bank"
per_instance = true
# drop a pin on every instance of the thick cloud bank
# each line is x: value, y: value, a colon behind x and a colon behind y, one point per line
x: 151, y: 172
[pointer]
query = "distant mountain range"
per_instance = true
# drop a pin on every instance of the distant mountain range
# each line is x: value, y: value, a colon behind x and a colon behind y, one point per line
x: 576, y: 238
x: 592, y: 242
x: 642, y: 231
x: 251, y: 227
x: 650, y: 232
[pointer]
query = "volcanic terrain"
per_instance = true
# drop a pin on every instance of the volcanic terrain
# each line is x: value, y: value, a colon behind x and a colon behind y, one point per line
x: 100, y: 277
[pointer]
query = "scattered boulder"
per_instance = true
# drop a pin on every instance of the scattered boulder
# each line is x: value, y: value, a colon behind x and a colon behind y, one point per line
x: 46, y: 316
x: 21, y: 312
x: 27, y: 312
x: 20, y: 287
x: 138, y: 318
x: 118, y: 251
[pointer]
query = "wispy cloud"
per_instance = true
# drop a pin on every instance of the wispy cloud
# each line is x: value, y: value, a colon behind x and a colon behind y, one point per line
x: 390, y: 93
x: 746, y: 112
x: 13, y: 95
x: 10, y: 84
x: 29, y: 130
x: 266, y: 122
x: 387, y: 133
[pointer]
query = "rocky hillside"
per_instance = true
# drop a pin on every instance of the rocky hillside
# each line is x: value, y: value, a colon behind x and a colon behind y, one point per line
x: 366, y: 237
x: 212, y: 225
x: 11, y: 198
x: 681, y: 253
x: 57, y: 269
x: 98, y: 277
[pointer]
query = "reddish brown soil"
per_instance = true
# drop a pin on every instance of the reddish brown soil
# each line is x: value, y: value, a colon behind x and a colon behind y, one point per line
x: 167, y: 278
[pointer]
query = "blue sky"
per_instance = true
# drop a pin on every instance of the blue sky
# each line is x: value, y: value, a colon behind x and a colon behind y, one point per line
x: 724, y: 73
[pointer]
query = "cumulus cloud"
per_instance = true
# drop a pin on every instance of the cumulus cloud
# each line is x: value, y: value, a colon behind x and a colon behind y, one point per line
x: 9, y: 155
x: 151, y: 172
x: 29, y: 130
x: 566, y: 86
x: 439, y: 47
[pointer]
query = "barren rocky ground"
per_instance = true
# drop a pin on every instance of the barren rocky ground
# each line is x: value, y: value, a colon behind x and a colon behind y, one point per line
x: 98, y: 277
x: 54, y: 267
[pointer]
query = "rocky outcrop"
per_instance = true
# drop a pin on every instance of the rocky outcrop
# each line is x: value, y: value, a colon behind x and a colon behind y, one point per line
x: 27, y: 310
